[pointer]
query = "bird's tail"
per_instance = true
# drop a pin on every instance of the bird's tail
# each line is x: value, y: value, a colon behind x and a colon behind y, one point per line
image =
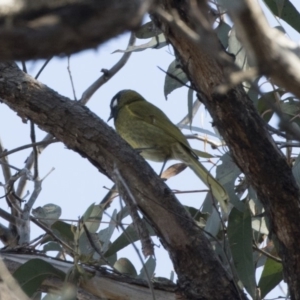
x: 217, y: 190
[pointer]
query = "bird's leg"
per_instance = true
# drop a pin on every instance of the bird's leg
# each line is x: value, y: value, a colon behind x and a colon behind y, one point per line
x: 162, y: 168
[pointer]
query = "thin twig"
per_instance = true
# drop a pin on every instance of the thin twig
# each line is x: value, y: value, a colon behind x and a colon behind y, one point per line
x: 48, y: 231
x: 287, y: 144
x: 139, y: 225
x: 189, y: 192
x: 7, y: 175
x: 276, y: 131
x: 42, y: 68
x: 130, y: 197
x: 29, y: 164
x: 94, y: 246
x: 71, y: 78
x: 32, y: 199
x: 42, y: 143
x: 9, y: 217
x: 205, y: 139
x: 10, y: 166
x: 176, y: 78
x: 107, y: 74
x: 35, y: 151
x: 186, y: 119
x: 255, y: 247
x: 24, y: 66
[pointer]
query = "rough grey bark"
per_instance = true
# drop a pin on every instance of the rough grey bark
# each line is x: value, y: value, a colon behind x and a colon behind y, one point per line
x: 42, y: 29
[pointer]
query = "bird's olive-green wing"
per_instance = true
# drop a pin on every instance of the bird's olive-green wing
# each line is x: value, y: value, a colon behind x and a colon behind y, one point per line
x: 155, y: 117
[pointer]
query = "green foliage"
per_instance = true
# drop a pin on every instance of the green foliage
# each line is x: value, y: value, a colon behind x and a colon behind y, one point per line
x: 157, y: 42
x: 175, y: 78
x: 271, y: 276
x: 240, y: 241
x: 147, y: 30
x: 31, y: 275
x: 125, y: 266
x: 148, y: 269
x: 126, y: 238
x: 286, y: 11
x: 222, y: 31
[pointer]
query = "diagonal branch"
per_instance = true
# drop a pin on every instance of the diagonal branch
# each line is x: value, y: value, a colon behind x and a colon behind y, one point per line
x: 44, y: 29
x: 82, y: 131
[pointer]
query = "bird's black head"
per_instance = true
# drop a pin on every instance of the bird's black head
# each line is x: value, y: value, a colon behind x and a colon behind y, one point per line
x: 121, y: 99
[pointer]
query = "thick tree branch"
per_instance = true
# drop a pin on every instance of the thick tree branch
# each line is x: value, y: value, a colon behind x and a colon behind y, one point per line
x: 103, y: 285
x: 242, y: 128
x: 82, y: 131
x: 274, y: 53
x: 38, y: 29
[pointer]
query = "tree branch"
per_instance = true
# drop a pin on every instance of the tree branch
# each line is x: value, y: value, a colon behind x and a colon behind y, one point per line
x: 275, y: 54
x: 237, y: 120
x: 113, y: 286
x: 48, y: 28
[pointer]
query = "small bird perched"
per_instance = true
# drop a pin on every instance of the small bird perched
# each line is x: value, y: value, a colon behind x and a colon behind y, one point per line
x: 147, y: 128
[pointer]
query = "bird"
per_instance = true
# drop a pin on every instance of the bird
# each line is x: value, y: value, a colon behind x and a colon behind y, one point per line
x: 147, y: 128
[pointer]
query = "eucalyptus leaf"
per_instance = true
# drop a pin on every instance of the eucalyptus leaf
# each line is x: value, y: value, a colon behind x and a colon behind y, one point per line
x: 271, y: 276
x: 31, y: 275
x: 286, y: 11
x: 93, y: 216
x: 47, y: 214
x: 125, y: 266
x: 52, y: 246
x: 207, y: 206
x: 200, y: 217
x: 252, y: 196
x: 147, y: 31
x: 87, y: 245
x: 172, y: 84
x: 148, y: 267
x: 64, y: 231
x: 173, y: 170
x: 226, y: 174
x: 222, y: 31
x: 172, y: 276
x: 126, y: 238
x: 240, y: 240
x: 264, y: 105
x: 259, y: 225
x: 253, y: 92
x: 291, y: 108
x: 241, y: 58
x: 190, y: 105
x: 51, y: 297
x: 203, y: 154
x: 156, y: 42
x: 213, y: 224
x: 106, y: 234
x: 198, y: 129
x: 235, y: 47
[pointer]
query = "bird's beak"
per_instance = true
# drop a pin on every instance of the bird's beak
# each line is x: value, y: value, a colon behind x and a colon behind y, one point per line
x: 110, y: 117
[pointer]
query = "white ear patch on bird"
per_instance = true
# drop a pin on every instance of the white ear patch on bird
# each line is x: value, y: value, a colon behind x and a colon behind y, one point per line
x: 114, y: 103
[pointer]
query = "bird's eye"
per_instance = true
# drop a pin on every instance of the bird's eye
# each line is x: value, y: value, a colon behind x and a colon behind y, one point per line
x: 114, y: 103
